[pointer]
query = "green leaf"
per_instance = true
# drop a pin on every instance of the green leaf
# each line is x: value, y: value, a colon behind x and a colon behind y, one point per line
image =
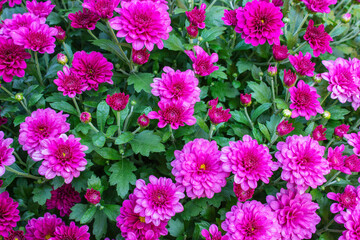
x: 309, y: 129
x: 176, y: 227
x: 281, y: 104
x: 88, y: 215
x: 98, y: 139
x: 257, y: 135
x: 240, y: 117
x: 259, y: 110
x: 264, y: 131
x: 146, y: 142
x: 64, y: 106
x: 111, y: 130
x: 108, y: 153
x: 193, y: 208
x: 122, y: 175
x: 243, y: 65
x: 210, y: 34
x: 261, y: 92
x: 19, y: 119
x: 112, y: 211
x: 102, y: 114
x: 141, y: 81
x: 222, y: 90
x: 41, y: 194
x: 100, y: 225
x: 34, y: 99
x: 124, y: 138
x: 78, y: 211
x: 174, y: 43
x: 94, y: 182
x: 109, y: 46
x: 337, y: 113
x: 202, y: 124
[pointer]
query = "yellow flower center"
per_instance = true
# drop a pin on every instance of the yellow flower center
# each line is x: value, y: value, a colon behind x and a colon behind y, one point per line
x: 48, y: 236
x: 262, y: 20
x: 203, y: 167
x: 142, y: 219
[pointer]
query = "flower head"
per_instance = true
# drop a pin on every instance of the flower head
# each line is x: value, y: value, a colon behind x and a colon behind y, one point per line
x: 302, y: 162
x: 197, y: 16
x: 141, y: 56
x: 337, y: 160
x: 84, y: 19
x: 219, y: 115
x: 40, y: 9
x: 284, y: 128
x: 241, y: 194
x: 229, y: 17
x: 319, y: 133
x: 18, y: 21
x: 6, y: 153
x: 192, y: 31
x: 117, y: 101
x: 349, y: 199
x: 142, y: 23
x: 15, y: 235
x: 143, y: 121
x: 71, y: 232
x: 62, y: 59
x: 69, y: 82
x: 213, y: 103
x: 213, y: 233
x: 296, y: 213
x: 249, y: 161
x: 13, y: 2
x: 63, y: 199
x: 302, y: 64
x: 351, y: 221
x: 318, y: 39
x: 245, y: 99
x: 277, y: 3
x: 319, y: 6
x: 42, y: 227
x: 9, y: 214
x: 289, y: 78
x: 203, y: 63
x: 158, y: 201
x: 272, y: 71
x: 61, y: 35
x: 304, y: 101
x: 345, y: 18
x: 353, y: 163
x: 259, y: 22
x: 341, y: 130
x: 353, y: 139
x: 103, y: 8
x: 280, y: 52
x: 93, y: 196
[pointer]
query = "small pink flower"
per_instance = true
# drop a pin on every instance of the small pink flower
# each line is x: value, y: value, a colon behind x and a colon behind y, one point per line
x: 93, y: 196
x: 40, y: 9
x: 192, y: 31
x: 70, y: 83
x: 341, y: 130
x: 63, y: 199
x: 143, y: 121
x: 353, y: 163
x: 303, y: 64
x: 284, y: 128
x: 213, y: 233
x: 213, y: 103
x: 62, y: 59
x: 337, y: 160
x: 319, y: 6
x: 229, y: 17
x: 6, y: 153
x: 84, y: 19
x: 349, y: 199
x: 345, y: 18
x: 117, y: 101
x: 71, y: 232
x: 245, y: 99
x: 289, y: 78
x: 203, y: 63
x: 140, y: 57
x: 61, y: 35
x: 277, y: 3
x: 197, y: 16
x: 318, y: 39
x: 103, y: 8
x: 272, y: 71
x: 219, y: 115
x: 241, y: 194
x: 319, y: 133
x: 85, y: 117
x: 280, y: 52
x: 353, y: 139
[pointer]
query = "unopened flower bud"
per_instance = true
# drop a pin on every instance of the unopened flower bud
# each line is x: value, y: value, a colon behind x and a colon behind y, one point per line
x: 261, y: 74
x: 61, y: 35
x: 19, y: 97
x: 341, y: 130
x: 93, y: 196
x: 289, y: 78
x: 346, y: 17
x: 213, y: 103
x: 200, y: 39
x: 192, y: 31
x: 62, y: 59
x: 143, y: 121
x: 286, y: 113
x: 235, y: 75
x: 272, y: 71
x: 286, y: 20
x: 85, y: 117
x: 133, y: 103
x: 326, y: 115
x: 317, y: 78
x: 338, y: 179
x: 245, y: 99
x: 140, y: 57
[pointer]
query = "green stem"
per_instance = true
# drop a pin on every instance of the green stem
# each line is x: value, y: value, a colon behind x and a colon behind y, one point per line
x: 76, y: 106
x: 90, y: 32
x: 211, y: 132
x: 273, y: 140
x: 206, y: 116
x: 118, y: 121
x: 137, y: 130
x: 112, y: 33
x: 27, y: 175
x: 338, y: 5
x: 212, y: 4
x: 301, y: 24
x: 22, y: 102
x: 331, y: 141
x: 67, y: 52
x: 38, y: 69
x: 325, y: 98
x: 248, y: 118
x: 93, y: 127
x: 329, y: 182
x: 19, y: 159
x: 299, y: 47
x: 273, y: 93
x: 128, y: 118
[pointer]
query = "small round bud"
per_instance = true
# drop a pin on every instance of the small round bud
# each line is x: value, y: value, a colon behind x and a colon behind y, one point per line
x: 261, y: 74
x: 200, y: 39
x: 85, y: 117
x: 272, y: 71
x: 326, y: 115
x: 245, y: 99
x: 62, y: 59
x: 346, y: 18
x: 286, y: 113
x: 235, y: 75
x: 143, y: 121
x: 155, y: 72
x: 101, y: 207
x: 322, y: 188
x: 61, y: 35
x: 117, y: 66
x: 317, y: 78
x: 286, y: 20
x: 19, y: 97
x: 179, y: 29
x: 338, y: 179
x: 133, y: 103
x: 121, y: 151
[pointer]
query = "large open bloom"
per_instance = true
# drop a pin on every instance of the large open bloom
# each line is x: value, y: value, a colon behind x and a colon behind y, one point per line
x: 43, y: 227
x: 197, y: 16
x: 258, y: 22
x: 302, y: 162
x: 213, y: 233
x: 6, y: 156
x: 353, y: 139
x: 337, y: 160
x: 142, y: 23
x: 103, y: 8
x: 249, y: 161
x: 63, y: 199
x: 203, y: 63
x: 42, y: 124
x: 158, y: 201
x: 9, y: 214
x: 319, y: 6
x: 229, y: 17
x: 71, y: 232
x: 349, y: 199
x: 117, y: 101
x: 302, y: 64
x: 304, y: 101
x: 40, y: 9
x: 318, y: 39
x: 197, y: 167
x: 17, y: 21
x: 84, y: 19
x: 177, y: 85
x: 69, y: 82
x: 251, y: 220
x: 296, y: 214
x: 351, y: 221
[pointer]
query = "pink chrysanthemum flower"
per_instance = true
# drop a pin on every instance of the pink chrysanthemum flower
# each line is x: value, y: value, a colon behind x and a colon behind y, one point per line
x: 284, y: 128
x: 203, y: 63
x: 337, y: 160
x: 296, y: 214
x: 149, y: 235
x: 213, y: 233
x: 319, y: 6
x: 353, y: 139
x: 71, y: 232
x: 63, y: 156
x: 117, y: 101
x: 143, y: 121
x: 341, y: 130
x: 93, y: 68
x: 249, y: 161
x: 140, y: 57
x: 6, y: 156
x: 37, y: 37
x: 251, y: 220
x: 84, y: 19
x: 42, y: 227
x: 93, y: 196
x: 302, y: 162
x: 40, y: 9
x: 158, y: 201
x: 192, y: 31
x: 259, y: 22
x: 229, y: 17
x: 289, y: 78
x: 42, y: 124
x: 319, y: 133
x: 85, y: 117
x: 130, y: 222
x: 277, y: 3
x: 177, y: 85
x: 197, y: 16
x: 304, y: 101
x: 280, y: 52
x: 174, y: 113
x: 241, y: 194
x: 69, y: 82
x: 13, y: 2
x: 18, y: 21
x: 142, y: 23
x: 302, y: 64
x: 213, y: 103
x: 318, y: 39
x: 349, y: 199
x: 9, y: 214
x: 351, y: 221
x: 245, y: 99
x: 61, y: 35
x: 103, y: 8
x: 219, y: 115
x: 353, y: 163
x: 15, y: 235
x: 197, y: 167
x: 63, y: 199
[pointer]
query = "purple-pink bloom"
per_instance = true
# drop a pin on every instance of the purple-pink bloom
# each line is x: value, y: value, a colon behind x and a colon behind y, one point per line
x: 40, y: 9
x: 302, y: 162
x: 197, y: 168
x: 192, y: 31
x: 213, y: 103
x: 103, y: 8
x: 289, y: 78
x: 6, y: 153
x: 15, y: 235
x: 258, y: 22
x: 353, y: 163
x: 351, y: 221
x: 142, y: 23
x: 84, y: 19
x: 42, y: 124
x: 353, y: 139
x: 203, y: 63
x: 319, y: 6
x: 245, y: 99
x: 43, y: 227
x: 349, y: 199
x: 159, y: 200
x: 318, y: 39
x: 251, y: 220
x: 319, y: 133
x: 117, y: 101
x: 177, y: 85
x: 280, y: 52
x: 85, y: 117
x: 219, y: 115
x: 304, y: 101
x: 249, y: 161
x: 284, y: 128
x: 337, y: 160
x: 69, y: 82
x: 341, y: 130
x: 9, y: 214
x: 213, y: 233
x: 302, y: 64
x: 140, y: 57
x: 197, y: 16
x: 18, y: 21
x: 241, y: 194
x: 63, y: 199
x: 229, y: 17
x: 13, y: 2
x: 93, y: 196
x: 71, y: 232
x: 143, y: 121
x: 296, y: 213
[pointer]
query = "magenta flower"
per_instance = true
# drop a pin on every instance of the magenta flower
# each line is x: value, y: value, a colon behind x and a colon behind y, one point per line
x: 15, y: 235
x: 284, y: 128
x: 197, y: 16
x: 40, y: 9
x: 319, y: 133
x: 349, y: 199
x: 197, y: 168
x: 42, y: 124
x: 353, y: 163
x: 69, y: 82
x: 249, y: 161
x: 304, y: 101
x: 258, y: 22
x: 353, y: 139
x: 71, y: 232
x: 213, y: 103
x: 93, y: 68
x: 174, y: 113
x: 351, y: 221
x: 318, y: 39
x: 143, y: 121
x: 142, y: 23
x: 6, y: 153
x: 61, y: 35
x: 277, y: 3
x: 117, y: 101
x: 213, y: 233
x: 289, y: 78
x: 192, y: 31
x: 319, y: 6
x: 337, y: 160
x: 37, y: 37
x: 13, y: 2
x: 280, y: 52
x: 63, y: 156
x: 103, y: 8
x: 296, y: 213
x: 303, y: 64
x: 341, y: 130
x: 131, y: 223
x: 42, y: 227
x: 245, y: 99
x: 251, y: 220
x: 203, y: 63
x: 18, y: 21
x: 241, y: 194
x: 12, y: 60
x: 177, y: 85
x: 229, y: 17
x: 302, y: 162
x: 9, y: 214
x: 84, y: 19
x: 85, y: 117
x: 272, y: 71
x: 140, y: 57
x: 63, y: 199
x: 62, y: 59
x: 219, y: 115
x: 93, y: 196
x: 158, y: 201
